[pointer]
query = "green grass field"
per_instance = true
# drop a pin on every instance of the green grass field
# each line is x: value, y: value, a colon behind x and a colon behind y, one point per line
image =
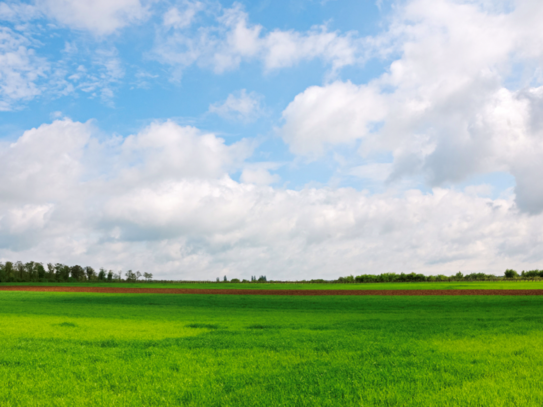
x: 457, y: 285
x: 66, y: 349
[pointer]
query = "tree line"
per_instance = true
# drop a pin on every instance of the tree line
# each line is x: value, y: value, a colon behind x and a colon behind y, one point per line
x: 31, y: 271
x: 414, y: 277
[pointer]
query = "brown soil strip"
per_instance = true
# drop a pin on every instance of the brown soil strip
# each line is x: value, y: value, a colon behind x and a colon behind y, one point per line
x: 118, y: 290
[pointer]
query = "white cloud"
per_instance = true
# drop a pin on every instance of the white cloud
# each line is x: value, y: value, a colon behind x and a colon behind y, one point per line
x: 376, y: 172
x: 21, y: 71
x: 337, y: 113
x: 232, y: 39
x: 183, y: 18
x: 239, y: 106
x: 16, y: 12
x: 162, y: 201
x: 101, y: 17
x: 445, y: 108
x: 259, y: 174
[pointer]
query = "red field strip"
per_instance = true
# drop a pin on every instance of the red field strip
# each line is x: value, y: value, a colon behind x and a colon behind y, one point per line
x: 117, y: 290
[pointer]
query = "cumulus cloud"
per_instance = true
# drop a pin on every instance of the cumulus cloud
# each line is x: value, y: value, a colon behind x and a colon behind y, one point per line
x: 163, y: 201
x: 239, y: 106
x: 231, y: 39
x: 445, y: 108
x: 336, y: 113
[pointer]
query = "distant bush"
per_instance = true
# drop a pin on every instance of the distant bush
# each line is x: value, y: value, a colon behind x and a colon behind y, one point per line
x: 235, y: 280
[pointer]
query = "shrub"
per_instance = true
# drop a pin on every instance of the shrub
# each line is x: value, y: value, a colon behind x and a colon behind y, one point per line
x: 235, y: 280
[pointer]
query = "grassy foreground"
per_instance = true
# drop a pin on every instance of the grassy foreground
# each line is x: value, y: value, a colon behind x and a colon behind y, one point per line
x: 65, y: 349
x: 455, y: 285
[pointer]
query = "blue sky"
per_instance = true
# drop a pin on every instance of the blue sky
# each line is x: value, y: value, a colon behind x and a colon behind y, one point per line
x: 196, y: 139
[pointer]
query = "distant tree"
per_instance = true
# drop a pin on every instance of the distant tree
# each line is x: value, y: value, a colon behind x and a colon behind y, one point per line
x: 110, y: 276
x: 40, y: 271
x: 50, y: 271
x: 89, y: 271
x: 225, y: 279
x: 77, y: 272
x: 9, y: 271
x: 20, y: 271
x: 235, y: 280
x: 131, y: 276
x: 64, y: 272
x: 532, y: 273
x: 262, y: 279
x: 148, y: 276
x: 509, y: 273
x: 102, y: 274
x: 218, y: 280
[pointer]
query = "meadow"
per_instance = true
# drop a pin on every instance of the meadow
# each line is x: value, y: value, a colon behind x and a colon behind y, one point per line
x: 65, y: 349
x: 445, y: 285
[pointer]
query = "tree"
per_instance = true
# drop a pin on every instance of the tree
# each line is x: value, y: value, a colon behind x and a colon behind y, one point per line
x: 510, y: 273
x: 77, y: 273
x: 89, y: 271
x: 131, y: 276
x: 102, y: 274
x: 50, y: 271
x: 8, y: 271
x: 148, y: 276
x: 40, y: 271
x: 110, y: 276
x: 225, y: 279
x: 30, y: 272
x: 20, y: 271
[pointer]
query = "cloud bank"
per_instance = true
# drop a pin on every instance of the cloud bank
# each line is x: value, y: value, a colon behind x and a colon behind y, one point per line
x: 165, y: 200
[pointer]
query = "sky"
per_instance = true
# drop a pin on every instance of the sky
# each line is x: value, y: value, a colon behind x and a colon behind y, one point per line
x: 295, y: 139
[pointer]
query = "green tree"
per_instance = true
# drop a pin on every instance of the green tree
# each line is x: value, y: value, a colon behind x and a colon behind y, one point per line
x: 89, y: 271
x: 50, y: 272
x: 20, y: 271
x: 40, y: 271
x: 77, y: 272
x: 510, y: 273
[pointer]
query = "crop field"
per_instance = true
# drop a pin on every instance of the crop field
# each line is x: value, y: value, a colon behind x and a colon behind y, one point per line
x: 456, y: 285
x: 65, y: 349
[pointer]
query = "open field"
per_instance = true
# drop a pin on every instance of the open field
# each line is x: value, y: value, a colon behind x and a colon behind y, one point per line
x: 68, y: 349
x: 218, y: 291
x: 457, y: 285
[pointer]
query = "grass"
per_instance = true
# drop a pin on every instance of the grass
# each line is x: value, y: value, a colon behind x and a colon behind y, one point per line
x: 456, y: 285
x: 65, y: 349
